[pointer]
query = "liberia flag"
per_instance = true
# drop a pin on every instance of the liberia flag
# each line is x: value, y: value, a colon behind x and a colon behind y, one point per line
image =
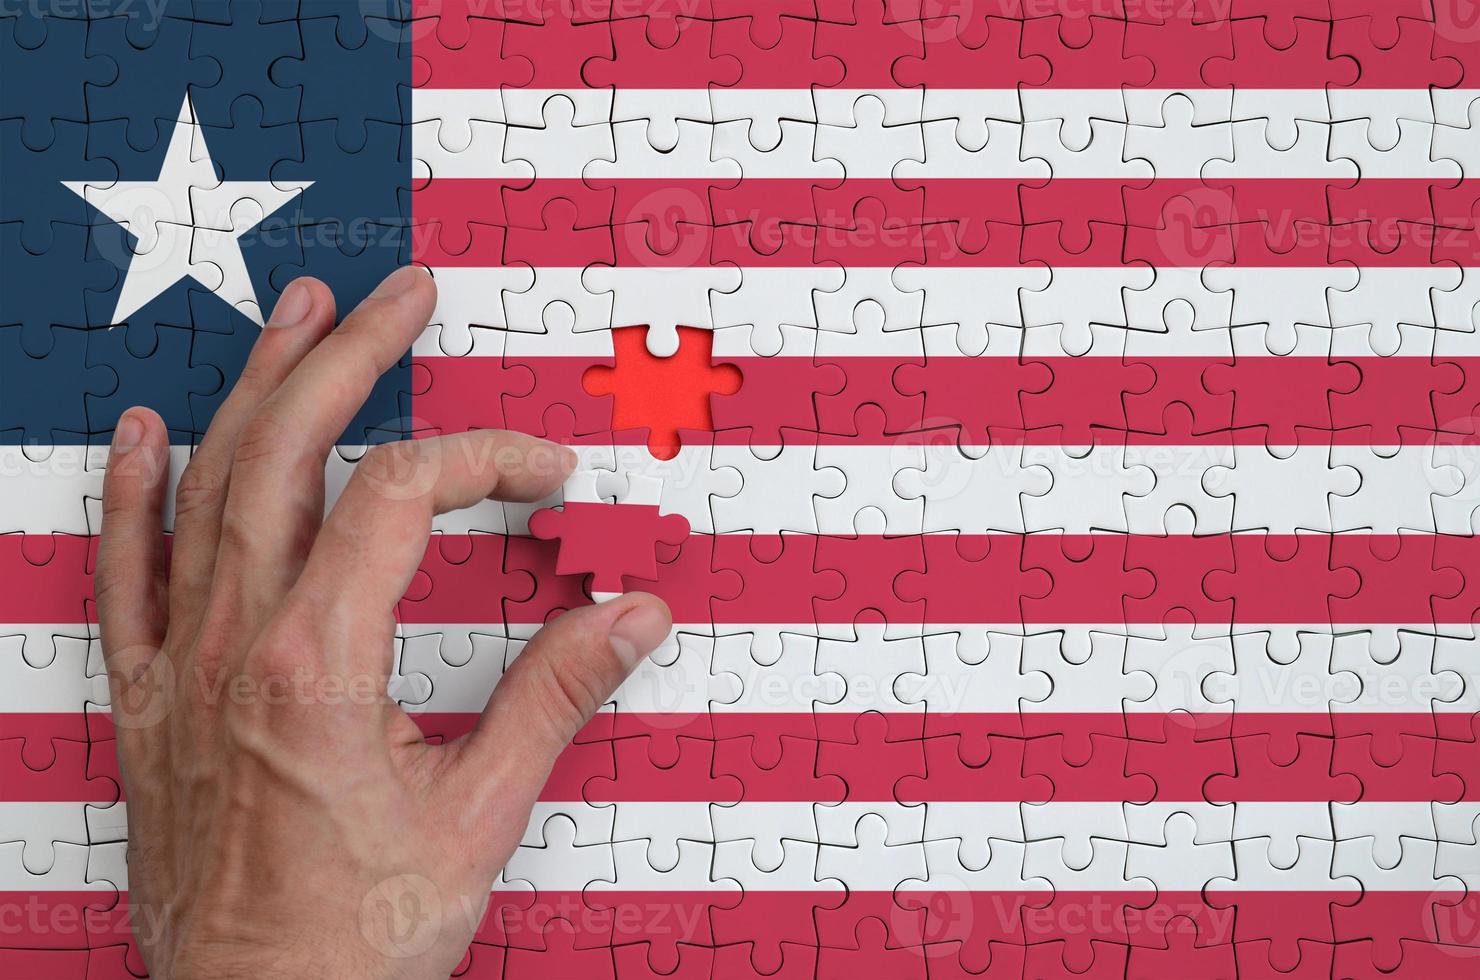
x: 1073, y: 408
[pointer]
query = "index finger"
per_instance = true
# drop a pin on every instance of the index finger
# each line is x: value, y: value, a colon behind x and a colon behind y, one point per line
x: 374, y: 539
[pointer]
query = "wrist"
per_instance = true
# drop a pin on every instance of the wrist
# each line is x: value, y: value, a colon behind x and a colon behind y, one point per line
x: 207, y: 957
x: 281, y: 965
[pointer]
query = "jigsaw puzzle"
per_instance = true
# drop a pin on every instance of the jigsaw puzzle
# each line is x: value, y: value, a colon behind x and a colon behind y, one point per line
x: 1055, y: 426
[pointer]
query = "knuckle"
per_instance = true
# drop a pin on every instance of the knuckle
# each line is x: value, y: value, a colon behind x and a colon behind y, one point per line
x: 281, y: 651
x: 263, y: 436
x: 387, y: 461
x: 400, y: 472
x: 201, y: 488
x: 284, y: 660
x: 301, y: 624
x: 240, y: 533
x: 212, y: 648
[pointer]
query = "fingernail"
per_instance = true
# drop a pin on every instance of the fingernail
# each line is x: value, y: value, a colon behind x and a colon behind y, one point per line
x: 399, y: 282
x: 292, y: 306
x: 128, y: 433
x: 638, y: 633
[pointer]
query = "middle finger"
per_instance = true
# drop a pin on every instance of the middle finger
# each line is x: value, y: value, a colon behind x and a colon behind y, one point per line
x: 275, y: 503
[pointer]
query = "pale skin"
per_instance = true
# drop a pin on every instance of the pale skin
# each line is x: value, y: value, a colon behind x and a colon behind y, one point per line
x: 286, y: 818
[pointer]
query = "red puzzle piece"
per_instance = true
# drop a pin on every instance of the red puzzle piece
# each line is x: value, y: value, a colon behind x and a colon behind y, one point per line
x: 610, y: 541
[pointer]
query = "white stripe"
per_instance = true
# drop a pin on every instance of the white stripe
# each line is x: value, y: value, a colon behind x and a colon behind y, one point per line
x: 1278, y: 133
x: 940, y: 487
x: 1111, y: 311
x: 46, y: 489
x: 62, y: 492
x: 57, y: 668
x: 76, y: 867
x: 924, y: 488
x: 1019, y: 845
x: 50, y: 668
x: 461, y: 134
x: 983, y: 668
x: 822, y: 842
x: 940, y: 667
x: 55, y: 835
x: 471, y: 301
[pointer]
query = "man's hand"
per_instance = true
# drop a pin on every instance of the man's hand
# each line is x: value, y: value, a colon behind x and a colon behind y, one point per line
x: 286, y: 818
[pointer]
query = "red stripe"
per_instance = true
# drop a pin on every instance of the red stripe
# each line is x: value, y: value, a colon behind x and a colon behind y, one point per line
x: 49, y: 963
x: 934, y: 578
x: 37, y: 765
x: 968, y: 222
x: 58, y: 920
x: 42, y: 729
x: 1184, y: 47
x: 994, y: 400
x: 827, y: 757
x: 1043, y: 578
x: 46, y: 578
x: 974, y: 758
x: 914, y: 918
x: 577, y: 930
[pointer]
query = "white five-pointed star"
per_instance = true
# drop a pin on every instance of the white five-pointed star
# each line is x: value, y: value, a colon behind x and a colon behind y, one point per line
x: 187, y: 222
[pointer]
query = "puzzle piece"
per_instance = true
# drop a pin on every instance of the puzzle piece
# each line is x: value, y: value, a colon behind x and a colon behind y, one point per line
x: 610, y: 541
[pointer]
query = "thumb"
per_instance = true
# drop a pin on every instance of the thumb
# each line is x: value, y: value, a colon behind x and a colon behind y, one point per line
x: 560, y: 680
